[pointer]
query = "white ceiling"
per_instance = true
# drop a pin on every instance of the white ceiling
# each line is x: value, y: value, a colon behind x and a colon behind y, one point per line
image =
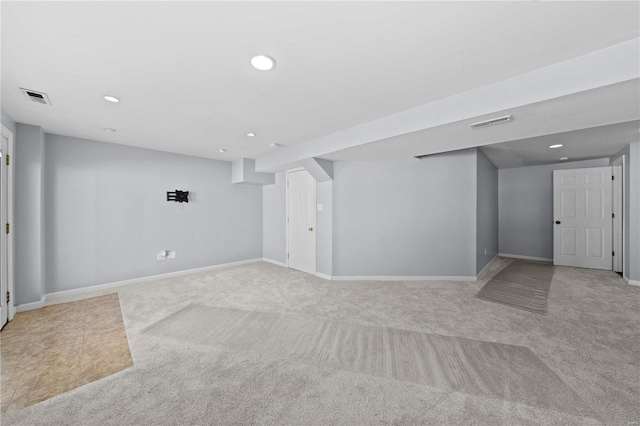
x: 182, y: 69
x: 596, y: 142
x: 606, y: 105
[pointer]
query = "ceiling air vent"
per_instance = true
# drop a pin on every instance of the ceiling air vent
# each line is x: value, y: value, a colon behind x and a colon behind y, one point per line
x: 35, y: 96
x: 491, y: 122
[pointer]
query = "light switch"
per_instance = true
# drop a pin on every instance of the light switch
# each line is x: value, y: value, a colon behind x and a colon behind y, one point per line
x: 320, y: 207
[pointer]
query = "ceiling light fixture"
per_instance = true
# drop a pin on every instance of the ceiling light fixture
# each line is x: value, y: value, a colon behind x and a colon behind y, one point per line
x: 251, y: 134
x: 222, y: 150
x: 558, y: 145
x: 563, y: 158
x: 111, y: 98
x: 110, y: 130
x: 263, y: 62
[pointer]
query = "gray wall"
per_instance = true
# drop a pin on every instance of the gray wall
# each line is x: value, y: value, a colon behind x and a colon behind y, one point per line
x: 29, y: 220
x: 487, y: 212
x: 107, y: 214
x: 274, y: 226
x: 526, y: 207
x: 324, y: 225
x: 632, y: 210
x: 8, y: 122
x: 405, y: 218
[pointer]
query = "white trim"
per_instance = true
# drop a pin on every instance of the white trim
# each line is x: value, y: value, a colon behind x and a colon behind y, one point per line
x: 31, y: 306
x: 324, y: 276
x: 481, y: 273
x: 275, y: 262
x: 403, y: 278
x: 52, y: 298
x: 11, y: 307
x: 631, y: 282
x: 622, y: 161
x: 517, y: 256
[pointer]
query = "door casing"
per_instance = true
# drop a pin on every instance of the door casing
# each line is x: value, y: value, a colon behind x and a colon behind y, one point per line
x: 619, y: 225
x: 7, y: 218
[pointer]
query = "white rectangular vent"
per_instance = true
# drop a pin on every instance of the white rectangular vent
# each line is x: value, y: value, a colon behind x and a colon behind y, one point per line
x: 35, y: 96
x: 491, y: 122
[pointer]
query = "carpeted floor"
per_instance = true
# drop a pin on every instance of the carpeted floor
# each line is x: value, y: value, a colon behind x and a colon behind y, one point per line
x: 521, y: 285
x: 589, y: 339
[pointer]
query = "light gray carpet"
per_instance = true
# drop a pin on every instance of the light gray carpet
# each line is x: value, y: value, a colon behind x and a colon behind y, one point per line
x: 488, y: 369
x: 589, y: 338
x: 522, y: 285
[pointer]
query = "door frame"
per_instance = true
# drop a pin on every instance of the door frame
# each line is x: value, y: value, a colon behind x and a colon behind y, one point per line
x: 315, y: 216
x: 11, y: 307
x: 620, y: 161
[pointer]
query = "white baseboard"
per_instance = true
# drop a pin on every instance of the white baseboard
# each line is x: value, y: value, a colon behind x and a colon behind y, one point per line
x: 12, y: 311
x: 52, y: 298
x: 402, y: 278
x: 631, y: 282
x: 324, y: 276
x: 31, y: 306
x: 481, y: 273
x: 275, y: 262
x: 517, y: 256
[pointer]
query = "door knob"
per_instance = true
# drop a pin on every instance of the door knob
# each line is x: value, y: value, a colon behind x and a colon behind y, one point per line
x: 558, y: 222
x: 310, y: 229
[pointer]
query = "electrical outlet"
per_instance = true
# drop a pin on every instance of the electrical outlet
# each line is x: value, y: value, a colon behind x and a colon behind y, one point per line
x: 162, y: 255
x: 171, y: 254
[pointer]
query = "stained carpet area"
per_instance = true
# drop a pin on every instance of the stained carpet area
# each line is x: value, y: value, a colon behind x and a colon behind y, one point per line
x: 487, y: 369
x: 522, y: 285
x: 47, y: 352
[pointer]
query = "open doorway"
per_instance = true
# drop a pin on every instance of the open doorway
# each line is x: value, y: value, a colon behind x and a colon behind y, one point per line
x: 7, y: 308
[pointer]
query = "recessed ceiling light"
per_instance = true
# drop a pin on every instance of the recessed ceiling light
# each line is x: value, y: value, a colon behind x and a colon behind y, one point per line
x: 558, y: 145
x: 222, y: 150
x: 263, y: 62
x: 111, y: 98
x: 563, y: 158
x: 251, y: 134
x: 110, y: 130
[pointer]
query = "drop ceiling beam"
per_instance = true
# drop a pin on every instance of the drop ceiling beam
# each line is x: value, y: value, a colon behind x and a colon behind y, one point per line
x: 614, y: 64
x: 321, y: 170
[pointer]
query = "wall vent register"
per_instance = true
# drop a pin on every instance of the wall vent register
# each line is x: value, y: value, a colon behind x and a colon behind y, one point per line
x: 491, y: 122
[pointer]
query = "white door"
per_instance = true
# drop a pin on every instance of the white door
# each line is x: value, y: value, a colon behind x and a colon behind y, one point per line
x: 4, y: 277
x: 582, y: 206
x: 301, y: 221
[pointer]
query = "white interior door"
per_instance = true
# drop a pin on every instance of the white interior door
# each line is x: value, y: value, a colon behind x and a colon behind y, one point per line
x: 582, y: 207
x: 301, y: 221
x: 4, y: 277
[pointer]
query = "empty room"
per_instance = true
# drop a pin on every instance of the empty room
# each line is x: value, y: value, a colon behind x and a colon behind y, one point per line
x: 320, y: 213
